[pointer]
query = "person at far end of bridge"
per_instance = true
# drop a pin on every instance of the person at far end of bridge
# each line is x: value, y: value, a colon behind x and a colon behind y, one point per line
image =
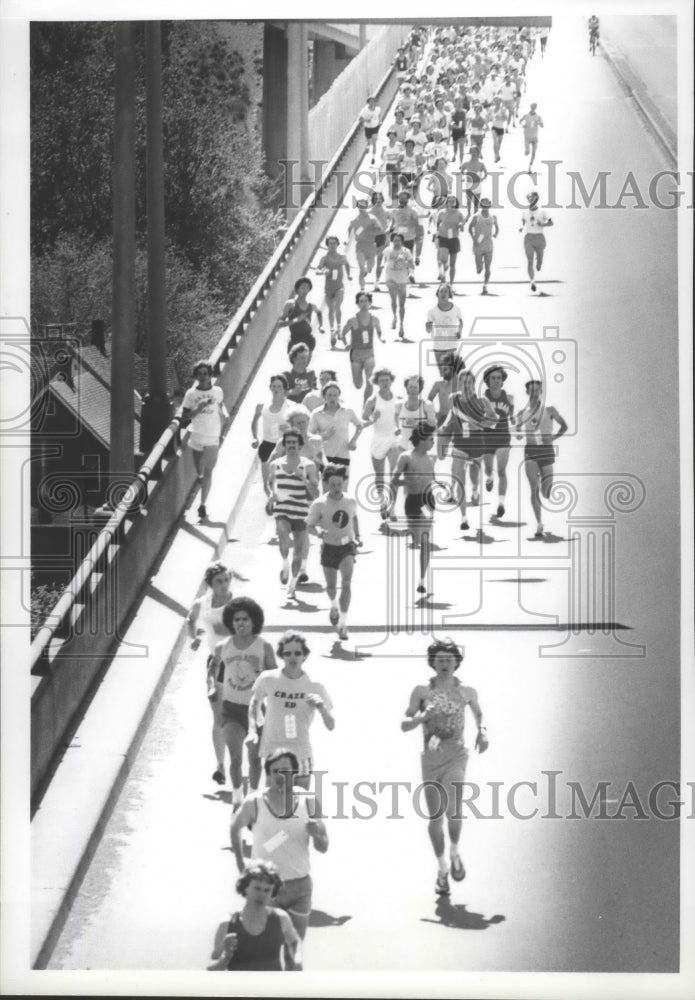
x: 298, y: 313
x: 203, y: 407
x: 370, y: 116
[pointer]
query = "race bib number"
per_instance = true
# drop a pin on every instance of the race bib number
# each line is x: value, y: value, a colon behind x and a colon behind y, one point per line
x: 334, y: 275
x: 276, y: 841
x: 359, y: 231
x: 344, y: 539
x: 480, y: 238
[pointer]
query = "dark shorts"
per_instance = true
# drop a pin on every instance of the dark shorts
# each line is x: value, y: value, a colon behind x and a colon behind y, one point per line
x: 497, y: 131
x: 296, y: 523
x: 233, y: 712
x: 333, y: 555
x: 409, y: 244
x: 416, y: 502
x: 541, y: 454
x: 458, y: 133
x: 334, y: 460
x: 380, y: 241
x: 369, y: 132
x: 361, y: 355
x: 497, y: 439
x: 265, y: 450
x: 471, y: 447
x: 301, y: 336
x: 294, y: 896
x: 450, y: 243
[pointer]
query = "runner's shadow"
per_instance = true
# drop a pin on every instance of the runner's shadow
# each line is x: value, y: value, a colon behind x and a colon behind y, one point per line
x: 522, y: 579
x: 497, y: 521
x: 301, y: 606
x: 481, y: 538
x: 317, y: 918
x: 549, y: 538
x: 425, y: 602
x: 310, y: 588
x: 338, y: 652
x: 219, y: 797
x: 458, y: 916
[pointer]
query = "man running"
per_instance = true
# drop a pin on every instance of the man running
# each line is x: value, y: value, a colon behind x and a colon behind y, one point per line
x: 293, y: 485
x: 415, y: 470
x: 334, y: 265
x: 204, y: 409
x: 370, y: 116
x: 362, y: 328
x: 483, y: 229
x: 530, y: 123
x: 333, y: 519
x: 298, y: 313
x: 365, y: 228
x: 533, y: 222
x: 535, y: 421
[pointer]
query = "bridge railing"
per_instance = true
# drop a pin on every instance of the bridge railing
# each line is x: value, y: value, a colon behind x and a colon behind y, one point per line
x: 72, y: 649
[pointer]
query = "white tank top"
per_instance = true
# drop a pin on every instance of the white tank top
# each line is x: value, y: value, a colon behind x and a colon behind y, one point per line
x: 385, y: 424
x: 271, y: 421
x: 283, y: 841
x: 211, y: 620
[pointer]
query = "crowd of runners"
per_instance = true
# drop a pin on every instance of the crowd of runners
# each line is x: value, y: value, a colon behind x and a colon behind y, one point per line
x: 438, y: 441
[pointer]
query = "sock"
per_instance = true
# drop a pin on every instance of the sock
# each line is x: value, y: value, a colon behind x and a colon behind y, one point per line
x: 443, y: 865
x: 334, y: 601
x: 302, y: 568
x: 237, y: 795
x: 453, y: 851
x: 342, y: 620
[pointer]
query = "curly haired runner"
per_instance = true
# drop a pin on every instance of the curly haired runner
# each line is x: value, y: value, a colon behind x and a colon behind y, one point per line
x: 253, y: 938
x: 439, y: 707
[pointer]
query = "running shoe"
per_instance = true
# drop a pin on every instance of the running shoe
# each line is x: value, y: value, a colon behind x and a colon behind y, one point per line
x: 442, y: 885
x: 202, y: 512
x: 411, y: 279
x: 533, y: 286
x: 464, y: 525
x: 334, y: 616
x: 376, y: 287
x: 342, y: 633
x: 475, y: 498
x: 484, y: 291
x: 488, y: 483
x: 303, y: 578
x: 539, y: 531
x: 290, y: 593
x: 218, y: 776
x: 458, y: 872
x: 500, y: 510
x: 421, y: 588
x: 417, y: 261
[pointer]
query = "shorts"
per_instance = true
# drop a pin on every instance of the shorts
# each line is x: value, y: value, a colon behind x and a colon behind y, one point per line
x: 361, y: 355
x: 447, y: 769
x: 333, y: 555
x: 497, y: 131
x: 450, y: 243
x: 482, y: 256
x: 533, y: 243
x: 415, y: 502
x: 470, y: 447
x: 381, y: 446
x: 541, y: 454
x: 369, y: 132
x: 334, y: 460
x: 302, y: 336
x: 380, y: 241
x: 477, y: 140
x: 457, y: 134
x: 232, y: 711
x: 294, y: 896
x: 497, y: 439
x: 199, y: 442
x: 365, y: 254
x: 265, y: 450
x: 296, y: 523
x: 333, y: 292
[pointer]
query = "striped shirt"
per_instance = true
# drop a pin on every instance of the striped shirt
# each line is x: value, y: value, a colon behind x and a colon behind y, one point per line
x: 291, y: 497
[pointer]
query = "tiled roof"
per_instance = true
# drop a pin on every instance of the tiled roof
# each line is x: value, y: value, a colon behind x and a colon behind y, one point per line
x: 90, y: 400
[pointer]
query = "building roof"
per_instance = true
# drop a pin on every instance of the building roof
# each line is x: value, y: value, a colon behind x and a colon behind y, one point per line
x: 89, y: 399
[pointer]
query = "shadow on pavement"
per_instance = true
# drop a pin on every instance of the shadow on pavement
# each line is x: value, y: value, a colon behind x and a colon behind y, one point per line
x: 338, y: 652
x: 318, y: 918
x: 549, y: 539
x: 456, y: 915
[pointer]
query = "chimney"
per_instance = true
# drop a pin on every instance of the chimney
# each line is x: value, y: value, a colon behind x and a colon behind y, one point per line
x: 99, y: 335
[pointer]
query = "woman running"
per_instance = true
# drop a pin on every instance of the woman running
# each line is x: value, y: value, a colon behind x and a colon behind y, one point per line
x: 498, y: 438
x: 334, y: 266
x: 236, y: 663
x: 380, y: 213
x: 439, y: 706
x: 399, y: 267
x: 253, y: 938
x: 272, y: 415
x: 380, y: 413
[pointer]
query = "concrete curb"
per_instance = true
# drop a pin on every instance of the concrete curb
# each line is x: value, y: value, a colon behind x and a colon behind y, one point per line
x: 645, y: 106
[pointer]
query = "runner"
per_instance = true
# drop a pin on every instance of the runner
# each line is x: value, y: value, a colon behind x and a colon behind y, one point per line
x: 298, y: 420
x: 415, y: 469
x: 593, y: 34
x: 473, y: 172
x: 291, y: 699
x: 413, y: 410
x: 411, y: 166
x: 444, y: 324
x: 236, y: 663
x: 272, y: 415
x: 467, y: 419
x: 498, y: 124
x: 507, y: 95
x: 533, y: 222
x: 297, y: 315
x: 300, y: 381
x: 334, y: 265
x: 206, y: 612
x: 366, y: 228
x: 450, y: 223
x: 543, y: 37
x: 391, y: 156
x: 380, y: 412
x: 384, y: 218
x: 450, y: 366
x: 332, y: 421
x: 253, y: 938
x: 399, y: 268
x: 370, y: 116
x: 458, y: 128
x: 440, y: 708
x: 535, y: 421
x: 203, y: 407
x: 333, y: 519
x: 483, y: 229
x: 315, y: 398
x: 293, y: 485
x: 477, y: 125
x: 362, y: 327
x: 530, y: 123
x: 498, y: 438
x: 400, y: 127
x: 285, y: 820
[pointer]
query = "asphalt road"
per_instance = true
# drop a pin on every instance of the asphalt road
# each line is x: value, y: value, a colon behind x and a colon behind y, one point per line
x: 543, y: 894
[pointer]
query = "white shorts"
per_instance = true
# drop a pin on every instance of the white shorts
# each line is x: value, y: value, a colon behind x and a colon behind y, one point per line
x: 200, y: 441
x: 381, y: 446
